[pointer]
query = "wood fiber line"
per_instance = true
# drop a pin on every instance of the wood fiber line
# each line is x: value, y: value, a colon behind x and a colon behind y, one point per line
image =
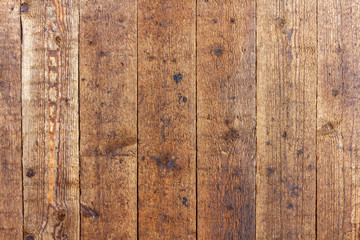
x: 50, y: 119
x: 226, y: 108
x: 108, y: 96
x: 167, y: 137
x: 10, y: 122
x: 338, y: 120
x: 286, y: 119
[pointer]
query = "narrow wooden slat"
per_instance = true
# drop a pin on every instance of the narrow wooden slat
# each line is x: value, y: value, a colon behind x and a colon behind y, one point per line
x: 166, y: 97
x: 226, y: 119
x: 338, y: 120
x: 286, y: 119
x: 10, y: 122
x: 108, y: 141
x: 50, y: 119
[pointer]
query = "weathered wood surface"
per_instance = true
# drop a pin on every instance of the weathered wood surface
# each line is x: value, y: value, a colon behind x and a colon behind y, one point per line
x: 10, y: 122
x: 108, y: 105
x: 226, y: 119
x: 166, y: 115
x: 338, y: 120
x: 50, y: 119
x: 179, y: 119
x: 286, y: 119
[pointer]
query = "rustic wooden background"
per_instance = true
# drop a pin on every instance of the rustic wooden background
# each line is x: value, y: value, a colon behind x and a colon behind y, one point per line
x: 179, y: 119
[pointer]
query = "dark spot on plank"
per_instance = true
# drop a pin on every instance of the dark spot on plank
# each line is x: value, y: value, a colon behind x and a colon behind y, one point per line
x: 215, y: 21
x: 300, y: 152
x: 165, y: 161
x: 58, y: 40
x: 177, y: 78
x: 284, y: 135
x: 174, y: 60
x: 24, y: 8
x: 108, y: 91
x: 88, y: 212
x: 61, y: 216
x: 185, y: 202
x: 231, y: 135
x: 143, y: 158
x: 232, y: 20
x: 311, y: 166
x: 294, y: 191
x: 268, y: 143
x: 101, y: 54
x: 184, y: 99
x: 227, y: 122
x: 90, y: 42
x: 230, y: 207
x: 290, y: 206
x: 30, y: 237
x: 30, y: 173
x: 270, y: 171
x: 206, y: 0
x: 335, y: 92
x: 218, y: 51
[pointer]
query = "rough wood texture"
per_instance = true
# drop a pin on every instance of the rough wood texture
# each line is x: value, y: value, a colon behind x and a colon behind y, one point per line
x: 10, y: 122
x: 166, y: 98
x: 50, y: 119
x: 338, y: 121
x: 226, y: 119
x: 286, y: 119
x: 108, y: 108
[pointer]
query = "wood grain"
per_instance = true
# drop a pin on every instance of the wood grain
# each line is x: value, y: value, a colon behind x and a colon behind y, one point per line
x: 226, y: 119
x: 108, y: 105
x: 50, y: 119
x: 338, y: 120
x: 166, y: 103
x: 10, y: 121
x: 286, y: 119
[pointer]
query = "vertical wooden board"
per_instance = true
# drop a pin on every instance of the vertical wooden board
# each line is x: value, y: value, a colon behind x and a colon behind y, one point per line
x: 226, y: 122
x: 10, y: 122
x: 286, y: 119
x: 108, y: 105
x: 338, y: 121
x: 50, y: 119
x: 166, y: 115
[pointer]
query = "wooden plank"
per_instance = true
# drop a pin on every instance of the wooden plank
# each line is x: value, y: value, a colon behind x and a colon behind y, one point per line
x: 10, y: 121
x: 226, y: 90
x: 50, y: 119
x: 108, y: 113
x: 338, y: 121
x: 166, y: 115
x: 286, y: 119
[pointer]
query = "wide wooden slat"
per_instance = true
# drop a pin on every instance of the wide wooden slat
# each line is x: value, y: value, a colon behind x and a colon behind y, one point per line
x: 338, y: 120
x: 10, y: 122
x: 108, y: 105
x: 226, y: 111
x: 286, y: 119
x: 166, y: 115
x: 50, y: 119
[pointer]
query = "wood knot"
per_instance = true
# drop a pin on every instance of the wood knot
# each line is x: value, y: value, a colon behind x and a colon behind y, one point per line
x: 24, y: 8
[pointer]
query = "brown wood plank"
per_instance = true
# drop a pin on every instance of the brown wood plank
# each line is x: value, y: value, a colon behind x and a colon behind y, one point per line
x: 286, y: 119
x: 338, y: 120
x: 108, y: 105
x: 166, y: 97
x: 226, y: 90
x: 10, y: 122
x: 50, y: 119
